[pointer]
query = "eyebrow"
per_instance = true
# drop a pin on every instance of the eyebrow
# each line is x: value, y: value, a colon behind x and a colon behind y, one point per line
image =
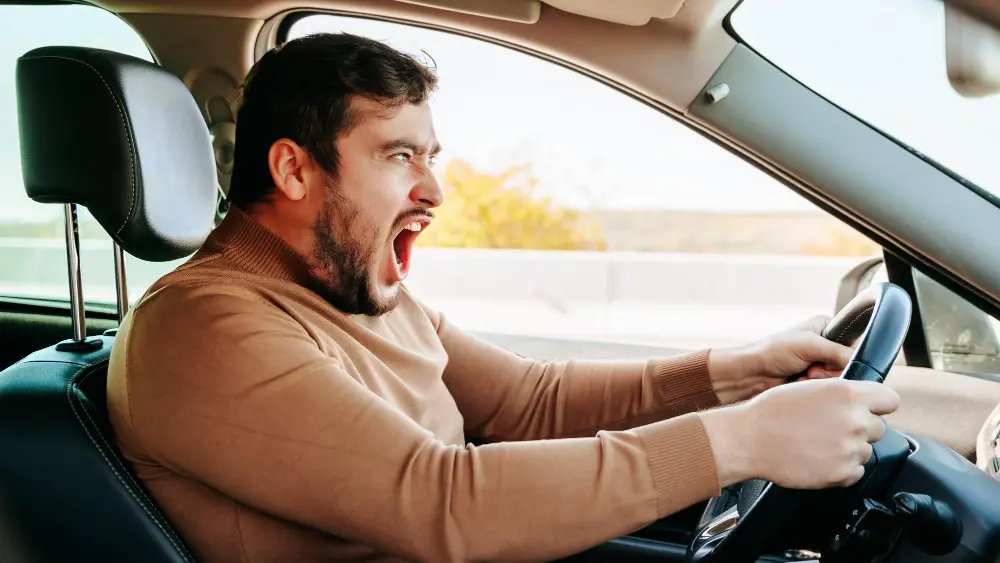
x: 406, y: 144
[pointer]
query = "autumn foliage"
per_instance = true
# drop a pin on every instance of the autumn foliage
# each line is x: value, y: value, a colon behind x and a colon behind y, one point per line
x: 508, y: 210
x: 505, y: 210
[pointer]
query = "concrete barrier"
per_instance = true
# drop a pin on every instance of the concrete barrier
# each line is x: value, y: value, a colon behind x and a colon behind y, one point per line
x: 677, y: 300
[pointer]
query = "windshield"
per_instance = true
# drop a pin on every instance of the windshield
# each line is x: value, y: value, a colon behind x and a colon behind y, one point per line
x: 884, y: 62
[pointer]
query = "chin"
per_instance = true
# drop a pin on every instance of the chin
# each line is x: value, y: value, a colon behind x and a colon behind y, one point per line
x: 390, y: 293
x: 384, y: 299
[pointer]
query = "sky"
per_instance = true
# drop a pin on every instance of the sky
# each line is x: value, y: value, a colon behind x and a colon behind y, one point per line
x: 593, y: 147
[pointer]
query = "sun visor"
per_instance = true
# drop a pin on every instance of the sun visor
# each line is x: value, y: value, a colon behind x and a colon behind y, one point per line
x: 627, y: 12
x: 523, y: 11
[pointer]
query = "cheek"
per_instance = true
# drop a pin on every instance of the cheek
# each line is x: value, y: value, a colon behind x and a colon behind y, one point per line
x: 385, y: 185
x: 379, y: 191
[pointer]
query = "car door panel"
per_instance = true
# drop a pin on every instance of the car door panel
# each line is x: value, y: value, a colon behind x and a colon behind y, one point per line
x: 26, y: 328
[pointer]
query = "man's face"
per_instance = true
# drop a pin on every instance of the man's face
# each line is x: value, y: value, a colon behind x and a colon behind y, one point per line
x: 376, y: 206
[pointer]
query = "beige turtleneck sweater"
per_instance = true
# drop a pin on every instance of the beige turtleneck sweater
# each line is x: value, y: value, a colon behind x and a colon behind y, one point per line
x: 271, y: 427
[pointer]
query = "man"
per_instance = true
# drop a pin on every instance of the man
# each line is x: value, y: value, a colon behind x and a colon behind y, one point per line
x: 285, y: 398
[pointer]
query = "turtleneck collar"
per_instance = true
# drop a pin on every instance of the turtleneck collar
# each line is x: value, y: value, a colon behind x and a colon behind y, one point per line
x: 254, y: 248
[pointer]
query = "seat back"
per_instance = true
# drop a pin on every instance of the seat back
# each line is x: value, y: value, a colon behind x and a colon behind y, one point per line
x: 66, y: 492
x: 126, y: 139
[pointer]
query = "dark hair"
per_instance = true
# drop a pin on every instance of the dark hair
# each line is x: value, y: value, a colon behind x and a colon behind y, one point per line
x: 302, y: 90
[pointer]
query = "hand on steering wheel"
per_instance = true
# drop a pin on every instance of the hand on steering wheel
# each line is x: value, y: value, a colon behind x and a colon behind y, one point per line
x: 801, y: 352
x: 811, y: 435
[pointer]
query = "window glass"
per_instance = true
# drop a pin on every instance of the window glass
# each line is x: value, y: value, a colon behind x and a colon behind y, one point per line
x: 32, y: 243
x: 575, y: 211
x: 960, y: 337
x: 884, y: 62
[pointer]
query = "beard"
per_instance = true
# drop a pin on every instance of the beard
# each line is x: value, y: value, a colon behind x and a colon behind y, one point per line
x: 345, y: 255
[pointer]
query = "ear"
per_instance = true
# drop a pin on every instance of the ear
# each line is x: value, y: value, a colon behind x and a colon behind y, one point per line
x: 289, y: 164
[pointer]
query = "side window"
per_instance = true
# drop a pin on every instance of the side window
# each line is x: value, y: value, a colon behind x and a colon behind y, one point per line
x: 32, y: 243
x: 577, y: 212
x: 960, y: 337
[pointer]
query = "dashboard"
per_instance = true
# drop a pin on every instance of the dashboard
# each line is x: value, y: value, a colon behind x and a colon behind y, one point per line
x: 950, y: 408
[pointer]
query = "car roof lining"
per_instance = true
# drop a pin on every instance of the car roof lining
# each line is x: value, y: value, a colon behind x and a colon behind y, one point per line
x: 679, y: 54
x: 625, y: 12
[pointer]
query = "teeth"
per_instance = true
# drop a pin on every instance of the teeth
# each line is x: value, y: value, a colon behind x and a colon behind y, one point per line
x: 414, y: 226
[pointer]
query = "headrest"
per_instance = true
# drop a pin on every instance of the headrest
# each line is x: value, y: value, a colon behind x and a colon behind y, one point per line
x: 122, y: 137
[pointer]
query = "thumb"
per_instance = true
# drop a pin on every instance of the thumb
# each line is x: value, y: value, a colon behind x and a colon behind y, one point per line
x: 815, y: 324
x: 879, y: 399
x: 832, y: 355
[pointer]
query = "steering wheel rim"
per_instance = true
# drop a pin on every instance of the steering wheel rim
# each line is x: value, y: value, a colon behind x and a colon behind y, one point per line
x: 878, y: 319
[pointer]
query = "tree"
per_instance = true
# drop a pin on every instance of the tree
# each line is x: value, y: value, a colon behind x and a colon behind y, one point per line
x: 842, y: 241
x: 505, y: 210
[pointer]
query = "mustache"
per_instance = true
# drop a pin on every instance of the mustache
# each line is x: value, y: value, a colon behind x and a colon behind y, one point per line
x: 411, y: 215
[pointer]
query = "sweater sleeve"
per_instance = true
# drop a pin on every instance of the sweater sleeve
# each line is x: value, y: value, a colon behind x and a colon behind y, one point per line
x: 236, y: 395
x: 504, y: 396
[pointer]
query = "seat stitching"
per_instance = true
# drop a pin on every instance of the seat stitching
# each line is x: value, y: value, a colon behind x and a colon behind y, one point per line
x: 128, y: 130
x: 69, y: 394
x: 239, y: 531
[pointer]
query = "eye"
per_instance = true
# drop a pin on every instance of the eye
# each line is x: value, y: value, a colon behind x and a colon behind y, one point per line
x: 432, y: 160
x: 401, y: 156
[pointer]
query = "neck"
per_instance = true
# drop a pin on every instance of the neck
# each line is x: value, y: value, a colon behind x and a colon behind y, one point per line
x: 297, y: 235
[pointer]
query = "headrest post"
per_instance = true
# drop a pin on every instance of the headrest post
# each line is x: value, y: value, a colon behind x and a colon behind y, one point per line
x: 75, y: 280
x: 80, y: 342
x: 122, y: 289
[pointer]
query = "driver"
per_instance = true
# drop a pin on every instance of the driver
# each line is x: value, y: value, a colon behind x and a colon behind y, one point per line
x: 284, y: 397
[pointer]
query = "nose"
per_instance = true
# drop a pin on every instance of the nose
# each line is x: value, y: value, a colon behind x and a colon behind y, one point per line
x: 427, y: 192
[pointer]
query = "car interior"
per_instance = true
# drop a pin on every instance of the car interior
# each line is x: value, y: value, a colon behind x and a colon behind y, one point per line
x: 145, y: 147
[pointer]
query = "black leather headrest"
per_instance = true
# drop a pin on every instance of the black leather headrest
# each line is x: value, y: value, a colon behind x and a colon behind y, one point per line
x: 122, y: 137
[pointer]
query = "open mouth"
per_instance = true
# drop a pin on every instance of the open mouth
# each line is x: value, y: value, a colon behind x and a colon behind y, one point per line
x: 402, y: 245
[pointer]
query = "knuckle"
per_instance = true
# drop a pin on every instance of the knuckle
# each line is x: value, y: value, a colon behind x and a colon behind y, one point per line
x: 856, y: 428
x: 855, y: 393
x: 852, y: 475
x: 856, y: 423
x: 847, y: 449
x: 837, y: 390
x: 844, y: 477
x: 820, y: 321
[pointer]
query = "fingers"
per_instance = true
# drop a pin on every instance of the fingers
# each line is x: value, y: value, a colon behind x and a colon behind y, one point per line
x: 815, y: 324
x: 866, y: 453
x: 857, y: 472
x: 818, y: 371
x: 878, y: 398
x: 830, y: 353
x: 874, y: 429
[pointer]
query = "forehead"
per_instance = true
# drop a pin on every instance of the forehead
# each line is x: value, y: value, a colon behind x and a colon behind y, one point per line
x: 374, y: 122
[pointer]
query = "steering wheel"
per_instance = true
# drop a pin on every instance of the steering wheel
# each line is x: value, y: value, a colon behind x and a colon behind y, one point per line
x: 765, y: 512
